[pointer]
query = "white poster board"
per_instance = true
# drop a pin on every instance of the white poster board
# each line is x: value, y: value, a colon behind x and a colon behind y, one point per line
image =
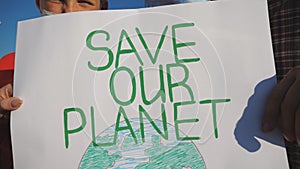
x: 180, y: 86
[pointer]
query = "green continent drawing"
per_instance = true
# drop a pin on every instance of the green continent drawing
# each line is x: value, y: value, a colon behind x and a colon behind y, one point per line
x: 154, y: 153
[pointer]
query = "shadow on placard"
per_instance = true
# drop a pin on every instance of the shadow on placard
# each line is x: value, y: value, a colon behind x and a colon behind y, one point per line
x: 248, y: 128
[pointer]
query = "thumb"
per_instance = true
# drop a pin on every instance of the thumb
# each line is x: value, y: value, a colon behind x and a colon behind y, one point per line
x: 11, y: 103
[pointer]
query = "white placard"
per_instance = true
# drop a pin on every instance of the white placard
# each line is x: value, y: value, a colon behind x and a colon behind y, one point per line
x: 180, y: 86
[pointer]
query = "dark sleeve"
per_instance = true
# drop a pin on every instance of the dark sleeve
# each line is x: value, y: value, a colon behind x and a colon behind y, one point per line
x: 6, y: 77
x: 5, y: 145
x: 284, y: 22
x: 6, y: 162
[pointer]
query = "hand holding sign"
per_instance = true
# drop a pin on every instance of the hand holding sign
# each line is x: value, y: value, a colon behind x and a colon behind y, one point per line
x: 7, y: 102
x: 283, y: 107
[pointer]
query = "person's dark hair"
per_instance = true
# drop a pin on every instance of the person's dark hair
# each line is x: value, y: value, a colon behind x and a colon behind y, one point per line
x: 103, y: 4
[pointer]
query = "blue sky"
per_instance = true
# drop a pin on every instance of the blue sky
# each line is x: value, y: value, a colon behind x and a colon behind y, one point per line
x: 12, y: 11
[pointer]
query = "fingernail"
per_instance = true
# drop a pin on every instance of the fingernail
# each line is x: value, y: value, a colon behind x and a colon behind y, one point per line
x: 286, y: 138
x: 289, y: 138
x: 16, y: 103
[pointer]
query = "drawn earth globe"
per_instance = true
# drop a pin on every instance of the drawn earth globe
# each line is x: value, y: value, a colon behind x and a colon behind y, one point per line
x: 154, y: 152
